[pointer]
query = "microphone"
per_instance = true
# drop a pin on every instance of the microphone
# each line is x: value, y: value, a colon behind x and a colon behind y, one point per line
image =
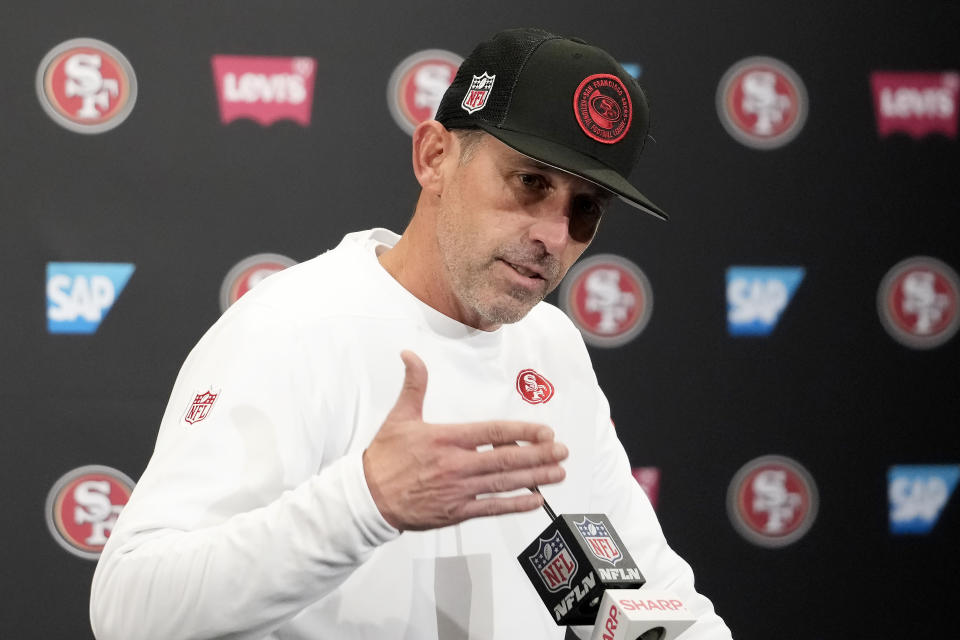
x: 644, y: 614
x: 573, y: 561
x: 579, y: 559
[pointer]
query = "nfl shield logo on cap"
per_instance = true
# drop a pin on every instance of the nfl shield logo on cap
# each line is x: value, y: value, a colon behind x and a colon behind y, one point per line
x: 476, y: 96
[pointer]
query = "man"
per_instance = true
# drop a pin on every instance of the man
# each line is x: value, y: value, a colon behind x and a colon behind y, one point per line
x: 293, y: 494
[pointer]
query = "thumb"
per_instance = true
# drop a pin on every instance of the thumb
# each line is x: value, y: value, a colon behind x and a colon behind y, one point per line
x: 409, y: 405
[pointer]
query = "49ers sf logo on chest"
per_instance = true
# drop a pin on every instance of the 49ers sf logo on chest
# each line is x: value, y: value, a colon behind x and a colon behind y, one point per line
x: 533, y: 387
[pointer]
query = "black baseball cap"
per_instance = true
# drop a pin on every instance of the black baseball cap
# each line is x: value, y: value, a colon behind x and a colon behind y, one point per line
x: 558, y: 100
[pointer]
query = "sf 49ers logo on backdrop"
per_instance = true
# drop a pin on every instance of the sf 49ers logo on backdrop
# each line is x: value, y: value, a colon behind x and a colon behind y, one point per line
x: 598, y: 540
x: 533, y: 387
x: 603, y: 108
x: 476, y: 96
x: 248, y: 273
x: 762, y: 103
x: 86, y: 85
x: 554, y: 563
x: 201, y: 406
x: 918, y: 302
x: 82, y: 508
x: 417, y: 85
x: 608, y: 298
x: 772, y: 501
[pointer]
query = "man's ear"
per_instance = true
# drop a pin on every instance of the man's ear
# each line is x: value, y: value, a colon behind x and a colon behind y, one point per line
x: 433, y: 149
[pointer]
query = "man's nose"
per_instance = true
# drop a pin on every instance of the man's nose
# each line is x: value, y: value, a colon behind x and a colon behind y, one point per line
x: 552, y: 228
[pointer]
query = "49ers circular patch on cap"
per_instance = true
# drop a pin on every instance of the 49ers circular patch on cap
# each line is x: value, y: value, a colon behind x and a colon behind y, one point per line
x: 82, y: 508
x: 417, y: 85
x: 603, y: 108
x: 918, y: 302
x: 248, y: 273
x: 762, y: 102
x: 609, y: 299
x: 86, y: 85
x: 772, y: 501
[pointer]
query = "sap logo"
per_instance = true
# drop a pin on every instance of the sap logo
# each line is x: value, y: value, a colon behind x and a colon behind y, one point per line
x: 756, y: 296
x: 80, y: 294
x: 918, y: 495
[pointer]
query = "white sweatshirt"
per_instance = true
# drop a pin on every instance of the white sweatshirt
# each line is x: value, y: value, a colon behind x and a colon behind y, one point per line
x: 254, y: 519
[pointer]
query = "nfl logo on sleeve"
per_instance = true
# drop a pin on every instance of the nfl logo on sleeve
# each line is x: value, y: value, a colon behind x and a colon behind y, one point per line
x: 476, y: 96
x: 201, y: 406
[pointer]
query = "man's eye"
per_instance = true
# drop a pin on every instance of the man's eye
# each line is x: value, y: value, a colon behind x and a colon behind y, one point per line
x: 589, y: 207
x: 531, y: 180
x: 587, y: 213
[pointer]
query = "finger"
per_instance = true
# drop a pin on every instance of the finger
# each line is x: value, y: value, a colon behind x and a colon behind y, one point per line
x: 510, y: 458
x: 409, y: 404
x: 498, y: 505
x: 493, y: 483
x: 498, y: 432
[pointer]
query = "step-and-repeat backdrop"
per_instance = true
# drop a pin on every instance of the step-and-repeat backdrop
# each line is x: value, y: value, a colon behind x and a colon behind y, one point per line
x: 780, y: 358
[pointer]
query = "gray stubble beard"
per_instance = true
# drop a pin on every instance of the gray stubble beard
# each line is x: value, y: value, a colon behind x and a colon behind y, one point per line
x: 469, y: 282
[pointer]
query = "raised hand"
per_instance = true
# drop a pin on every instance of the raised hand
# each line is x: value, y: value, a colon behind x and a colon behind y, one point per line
x: 425, y: 476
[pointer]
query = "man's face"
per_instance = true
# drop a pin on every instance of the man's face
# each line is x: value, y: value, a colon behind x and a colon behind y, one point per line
x: 508, y: 230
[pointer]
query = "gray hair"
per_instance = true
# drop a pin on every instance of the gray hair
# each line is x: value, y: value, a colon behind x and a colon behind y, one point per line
x: 468, y: 142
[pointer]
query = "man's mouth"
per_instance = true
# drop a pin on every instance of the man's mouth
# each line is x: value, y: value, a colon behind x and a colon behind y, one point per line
x: 527, y: 272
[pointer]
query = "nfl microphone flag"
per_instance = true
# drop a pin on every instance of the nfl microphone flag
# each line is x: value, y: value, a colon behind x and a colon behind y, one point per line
x: 573, y: 561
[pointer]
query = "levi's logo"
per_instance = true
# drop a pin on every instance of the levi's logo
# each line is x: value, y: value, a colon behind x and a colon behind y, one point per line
x: 915, y: 103
x: 264, y: 89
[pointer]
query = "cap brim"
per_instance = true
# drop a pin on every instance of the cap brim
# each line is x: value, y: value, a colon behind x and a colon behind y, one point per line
x: 573, y: 162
